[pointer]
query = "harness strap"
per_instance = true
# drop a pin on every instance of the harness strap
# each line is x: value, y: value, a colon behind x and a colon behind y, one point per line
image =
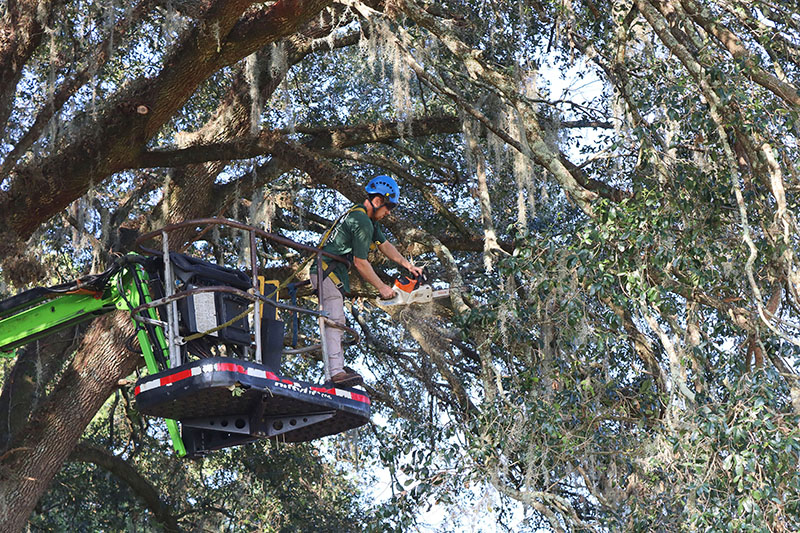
x: 329, y: 266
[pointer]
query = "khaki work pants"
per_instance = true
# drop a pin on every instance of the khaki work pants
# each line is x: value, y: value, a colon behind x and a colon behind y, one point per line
x: 333, y: 303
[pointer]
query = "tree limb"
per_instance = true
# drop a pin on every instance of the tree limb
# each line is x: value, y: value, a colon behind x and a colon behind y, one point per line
x: 86, y: 452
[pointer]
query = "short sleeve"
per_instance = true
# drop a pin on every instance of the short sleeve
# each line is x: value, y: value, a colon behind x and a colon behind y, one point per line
x: 362, y: 231
x: 378, y: 236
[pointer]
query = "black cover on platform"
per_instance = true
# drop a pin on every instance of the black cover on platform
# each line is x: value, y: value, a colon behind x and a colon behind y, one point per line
x: 192, y: 270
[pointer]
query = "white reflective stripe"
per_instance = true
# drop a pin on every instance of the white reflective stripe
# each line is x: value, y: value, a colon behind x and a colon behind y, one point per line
x: 343, y: 393
x: 150, y: 385
x: 224, y: 367
x: 257, y: 373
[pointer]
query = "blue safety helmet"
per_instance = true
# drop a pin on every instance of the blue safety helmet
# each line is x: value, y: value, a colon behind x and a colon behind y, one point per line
x: 384, y: 186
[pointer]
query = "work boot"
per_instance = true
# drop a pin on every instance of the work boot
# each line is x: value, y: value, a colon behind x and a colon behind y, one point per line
x: 347, y: 378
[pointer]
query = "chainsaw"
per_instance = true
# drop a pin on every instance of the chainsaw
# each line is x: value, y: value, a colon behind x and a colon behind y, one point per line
x: 413, y: 289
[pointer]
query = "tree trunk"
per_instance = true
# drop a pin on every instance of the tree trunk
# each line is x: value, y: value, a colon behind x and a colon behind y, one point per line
x: 36, y: 455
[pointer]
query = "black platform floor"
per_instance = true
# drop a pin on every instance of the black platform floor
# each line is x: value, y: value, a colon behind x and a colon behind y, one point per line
x: 224, y: 388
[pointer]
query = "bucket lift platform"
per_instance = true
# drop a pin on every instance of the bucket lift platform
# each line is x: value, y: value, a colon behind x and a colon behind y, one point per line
x: 223, y: 402
x: 201, y: 309
x: 211, y: 337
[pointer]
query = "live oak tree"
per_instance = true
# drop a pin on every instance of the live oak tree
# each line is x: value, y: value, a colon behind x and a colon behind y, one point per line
x: 620, y: 346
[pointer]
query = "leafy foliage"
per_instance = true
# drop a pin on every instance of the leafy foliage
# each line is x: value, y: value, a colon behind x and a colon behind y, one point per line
x: 609, y: 189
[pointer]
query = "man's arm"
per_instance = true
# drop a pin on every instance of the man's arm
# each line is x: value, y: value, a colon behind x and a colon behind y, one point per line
x: 368, y: 273
x: 391, y: 252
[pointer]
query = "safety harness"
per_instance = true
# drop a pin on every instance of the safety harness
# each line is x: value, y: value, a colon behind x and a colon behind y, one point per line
x: 327, y: 267
x: 326, y: 272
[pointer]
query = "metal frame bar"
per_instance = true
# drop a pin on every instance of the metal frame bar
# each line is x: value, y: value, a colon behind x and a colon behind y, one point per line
x: 253, y: 232
x: 224, y: 288
x: 259, y: 358
x: 172, y: 308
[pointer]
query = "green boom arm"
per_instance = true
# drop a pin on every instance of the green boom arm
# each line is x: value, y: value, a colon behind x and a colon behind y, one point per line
x: 39, y: 312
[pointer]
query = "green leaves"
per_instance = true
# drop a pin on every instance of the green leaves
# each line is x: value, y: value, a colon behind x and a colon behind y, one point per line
x: 734, y: 463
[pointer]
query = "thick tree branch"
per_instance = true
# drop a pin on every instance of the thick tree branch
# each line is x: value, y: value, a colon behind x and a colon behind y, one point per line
x: 70, y: 86
x: 113, y: 140
x: 265, y: 143
x: 86, y: 452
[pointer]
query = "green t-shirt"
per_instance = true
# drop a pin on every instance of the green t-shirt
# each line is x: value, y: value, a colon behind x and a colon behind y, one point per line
x: 355, y: 234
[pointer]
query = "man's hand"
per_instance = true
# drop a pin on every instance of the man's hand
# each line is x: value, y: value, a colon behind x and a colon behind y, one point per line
x: 391, y: 252
x: 415, y: 270
x: 365, y: 269
x: 386, y: 292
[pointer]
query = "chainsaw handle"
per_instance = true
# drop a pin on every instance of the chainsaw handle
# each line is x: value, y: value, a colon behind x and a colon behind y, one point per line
x: 410, y: 282
x: 405, y: 284
x: 396, y: 299
x: 422, y: 278
x: 394, y: 293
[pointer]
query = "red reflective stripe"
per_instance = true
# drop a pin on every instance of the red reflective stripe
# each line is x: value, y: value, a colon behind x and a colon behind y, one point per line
x: 231, y: 367
x: 137, y: 390
x: 363, y: 398
x: 353, y: 395
x: 166, y: 380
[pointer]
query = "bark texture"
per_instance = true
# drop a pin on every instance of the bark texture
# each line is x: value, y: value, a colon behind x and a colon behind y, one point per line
x: 35, y: 456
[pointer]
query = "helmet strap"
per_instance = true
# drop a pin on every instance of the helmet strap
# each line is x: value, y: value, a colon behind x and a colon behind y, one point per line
x: 372, y: 208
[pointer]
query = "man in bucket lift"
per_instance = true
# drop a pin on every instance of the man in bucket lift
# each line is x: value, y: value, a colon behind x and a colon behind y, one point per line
x: 353, y: 235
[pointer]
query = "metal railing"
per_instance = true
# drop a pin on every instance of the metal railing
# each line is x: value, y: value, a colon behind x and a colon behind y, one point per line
x: 253, y: 295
